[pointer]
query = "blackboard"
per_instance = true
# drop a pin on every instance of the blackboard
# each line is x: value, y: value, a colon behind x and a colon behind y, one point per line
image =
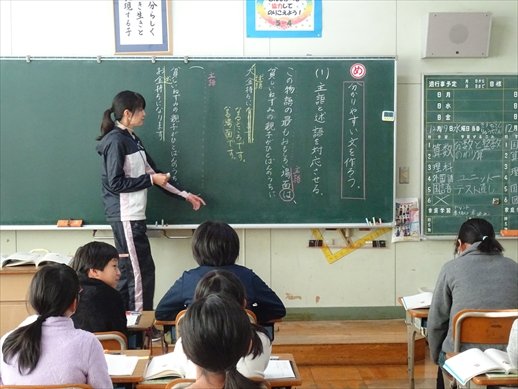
x: 470, y: 151
x: 264, y: 140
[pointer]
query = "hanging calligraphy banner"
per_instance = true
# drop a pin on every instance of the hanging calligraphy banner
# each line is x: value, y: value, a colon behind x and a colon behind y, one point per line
x: 141, y: 26
x: 284, y: 19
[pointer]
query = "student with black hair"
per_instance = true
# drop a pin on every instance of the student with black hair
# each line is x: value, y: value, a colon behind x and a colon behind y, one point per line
x: 479, y: 278
x: 216, y: 334
x: 101, y: 307
x: 227, y: 285
x: 49, y: 350
x: 215, y: 245
x: 127, y: 173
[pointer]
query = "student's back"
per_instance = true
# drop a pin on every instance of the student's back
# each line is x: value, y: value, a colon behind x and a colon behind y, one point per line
x: 49, y: 350
x: 215, y: 245
x: 479, y: 278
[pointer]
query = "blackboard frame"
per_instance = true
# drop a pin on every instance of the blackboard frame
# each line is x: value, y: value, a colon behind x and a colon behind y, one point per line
x: 358, y: 222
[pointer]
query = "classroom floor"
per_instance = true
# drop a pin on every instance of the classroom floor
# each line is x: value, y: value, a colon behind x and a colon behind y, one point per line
x: 368, y: 376
x: 357, y: 376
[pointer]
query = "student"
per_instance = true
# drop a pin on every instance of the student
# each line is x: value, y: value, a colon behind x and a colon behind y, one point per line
x: 216, y: 334
x: 127, y: 172
x: 49, y: 350
x: 215, y: 245
x: 479, y: 278
x: 101, y: 307
x: 227, y: 285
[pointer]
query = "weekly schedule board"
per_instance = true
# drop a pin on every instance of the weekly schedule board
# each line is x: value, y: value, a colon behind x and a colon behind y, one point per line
x: 265, y: 141
x: 470, y: 151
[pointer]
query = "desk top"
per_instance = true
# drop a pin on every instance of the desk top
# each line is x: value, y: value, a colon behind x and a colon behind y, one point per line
x: 282, y: 382
x: 421, y: 312
x: 485, y: 381
x: 140, y: 369
x: 276, y: 383
x: 145, y: 321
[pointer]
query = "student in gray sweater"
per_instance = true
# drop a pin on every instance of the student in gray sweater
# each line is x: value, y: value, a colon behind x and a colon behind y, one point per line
x: 479, y: 278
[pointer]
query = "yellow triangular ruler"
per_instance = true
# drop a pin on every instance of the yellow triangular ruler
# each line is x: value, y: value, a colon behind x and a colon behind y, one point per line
x: 333, y: 257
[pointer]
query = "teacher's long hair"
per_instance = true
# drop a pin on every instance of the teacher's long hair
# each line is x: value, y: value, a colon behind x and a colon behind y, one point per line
x: 216, y: 333
x: 52, y: 291
x: 125, y: 100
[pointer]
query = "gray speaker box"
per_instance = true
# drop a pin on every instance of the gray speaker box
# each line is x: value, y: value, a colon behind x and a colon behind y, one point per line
x: 457, y: 34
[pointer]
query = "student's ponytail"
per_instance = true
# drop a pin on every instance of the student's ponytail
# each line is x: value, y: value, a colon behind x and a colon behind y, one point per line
x: 26, y: 342
x: 479, y: 230
x: 489, y: 244
x: 235, y: 380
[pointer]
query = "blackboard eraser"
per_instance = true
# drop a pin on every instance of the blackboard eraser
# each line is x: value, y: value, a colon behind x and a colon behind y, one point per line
x: 509, y: 233
x: 70, y: 223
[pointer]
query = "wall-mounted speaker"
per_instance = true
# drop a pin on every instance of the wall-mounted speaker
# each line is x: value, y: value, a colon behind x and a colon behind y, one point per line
x: 457, y: 34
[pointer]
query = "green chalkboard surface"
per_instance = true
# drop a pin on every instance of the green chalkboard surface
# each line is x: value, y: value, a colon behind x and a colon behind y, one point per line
x: 266, y: 141
x: 470, y: 151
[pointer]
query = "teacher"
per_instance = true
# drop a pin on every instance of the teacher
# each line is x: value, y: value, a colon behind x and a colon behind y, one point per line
x: 127, y: 172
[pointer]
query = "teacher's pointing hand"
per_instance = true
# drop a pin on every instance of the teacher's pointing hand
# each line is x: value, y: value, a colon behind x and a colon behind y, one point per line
x: 195, y: 200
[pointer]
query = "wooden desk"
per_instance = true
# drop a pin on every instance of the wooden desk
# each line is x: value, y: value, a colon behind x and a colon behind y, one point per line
x: 415, y: 321
x: 276, y: 383
x: 144, y: 326
x: 485, y: 381
x: 14, y: 287
x: 140, y: 369
x: 287, y: 382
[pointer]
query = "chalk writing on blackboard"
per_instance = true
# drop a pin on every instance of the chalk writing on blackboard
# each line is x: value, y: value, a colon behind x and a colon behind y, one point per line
x: 470, y: 150
x: 353, y: 146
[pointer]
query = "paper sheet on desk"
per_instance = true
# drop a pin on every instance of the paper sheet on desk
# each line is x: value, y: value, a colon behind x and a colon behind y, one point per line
x: 132, y: 318
x: 278, y: 368
x: 121, y: 364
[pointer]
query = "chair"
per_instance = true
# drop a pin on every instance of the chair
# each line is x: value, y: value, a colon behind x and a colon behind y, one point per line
x: 62, y: 386
x: 165, y: 326
x: 482, y: 326
x: 112, y: 340
x: 175, y: 323
x: 251, y: 316
x: 177, y: 381
x: 173, y: 383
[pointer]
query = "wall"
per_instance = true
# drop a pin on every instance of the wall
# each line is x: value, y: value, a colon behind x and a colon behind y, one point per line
x: 301, y: 276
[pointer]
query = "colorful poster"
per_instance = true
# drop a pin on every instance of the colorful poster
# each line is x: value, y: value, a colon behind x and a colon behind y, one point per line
x: 407, y: 226
x: 283, y: 18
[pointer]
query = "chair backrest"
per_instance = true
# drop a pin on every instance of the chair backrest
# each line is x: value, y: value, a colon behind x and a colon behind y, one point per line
x: 251, y: 316
x: 112, y: 340
x: 177, y: 321
x: 177, y: 381
x: 62, y: 386
x: 173, y: 383
x: 179, y: 317
x: 482, y: 326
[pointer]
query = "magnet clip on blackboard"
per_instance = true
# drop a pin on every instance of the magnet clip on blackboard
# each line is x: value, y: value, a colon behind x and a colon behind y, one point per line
x: 186, y: 59
x: 153, y: 59
x: 98, y: 59
x: 509, y: 233
x: 28, y: 58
